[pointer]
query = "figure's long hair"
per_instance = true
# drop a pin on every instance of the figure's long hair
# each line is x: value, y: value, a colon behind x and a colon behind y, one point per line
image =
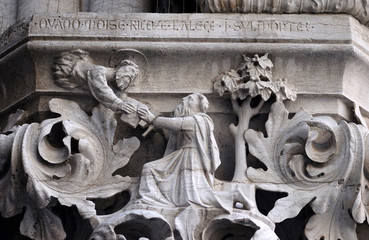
x: 204, y: 103
x: 181, y: 110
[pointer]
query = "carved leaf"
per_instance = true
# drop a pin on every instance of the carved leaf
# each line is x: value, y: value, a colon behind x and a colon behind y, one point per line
x: 313, y: 160
x: 85, y: 207
x: 284, y: 90
x: 71, y: 158
x: 237, y: 225
x: 5, y: 152
x: 263, y: 148
x: 12, y: 186
x: 42, y: 224
x: 155, y: 226
x: 290, y: 206
x: 257, y: 87
x: 258, y: 66
x: 14, y: 119
x: 335, y: 223
x: 227, y: 83
x: 104, y: 122
x: 360, y: 209
x: 123, y: 150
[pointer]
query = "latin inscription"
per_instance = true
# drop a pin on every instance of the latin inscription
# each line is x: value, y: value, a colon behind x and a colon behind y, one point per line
x: 267, y: 26
x: 201, y: 25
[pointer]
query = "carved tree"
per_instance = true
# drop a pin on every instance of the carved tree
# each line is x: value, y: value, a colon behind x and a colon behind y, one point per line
x: 71, y: 160
x: 252, y: 78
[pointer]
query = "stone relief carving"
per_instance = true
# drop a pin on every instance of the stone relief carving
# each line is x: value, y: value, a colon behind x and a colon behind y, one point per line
x: 316, y: 161
x: 357, y: 8
x: 112, y: 6
x: 71, y: 159
x: 252, y: 78
x: 179, y: 190
x: 75, y: 69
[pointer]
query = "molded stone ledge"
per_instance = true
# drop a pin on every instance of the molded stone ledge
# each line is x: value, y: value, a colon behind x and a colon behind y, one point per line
x: 175, y: 72
x: 292, y: 28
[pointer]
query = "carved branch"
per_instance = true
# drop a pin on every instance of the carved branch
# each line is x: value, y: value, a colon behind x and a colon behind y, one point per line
x: 252, y: 78
x: 244, y: 113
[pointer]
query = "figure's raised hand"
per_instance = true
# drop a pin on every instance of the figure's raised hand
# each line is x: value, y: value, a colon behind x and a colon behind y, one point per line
x: 127, y: 107
x: 146, y: 115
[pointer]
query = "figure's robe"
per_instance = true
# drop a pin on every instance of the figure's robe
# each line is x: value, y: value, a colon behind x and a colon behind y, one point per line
x: 100, y: 89
x: 185, y: 175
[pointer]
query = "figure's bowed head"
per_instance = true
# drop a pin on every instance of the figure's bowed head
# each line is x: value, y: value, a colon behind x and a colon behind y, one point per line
x: 191, y: 104
x: 125, y: 74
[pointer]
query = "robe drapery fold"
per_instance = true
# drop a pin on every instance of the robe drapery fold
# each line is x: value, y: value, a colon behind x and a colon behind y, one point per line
x: 185, y: 175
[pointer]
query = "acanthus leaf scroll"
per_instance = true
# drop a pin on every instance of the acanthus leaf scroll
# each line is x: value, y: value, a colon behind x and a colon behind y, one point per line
x: 314, y: 160
x: 70, y: 159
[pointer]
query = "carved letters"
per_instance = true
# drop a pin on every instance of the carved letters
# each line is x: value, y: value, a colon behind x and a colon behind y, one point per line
x: 170, y: 25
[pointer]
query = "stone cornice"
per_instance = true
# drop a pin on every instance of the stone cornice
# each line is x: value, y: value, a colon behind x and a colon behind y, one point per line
x: 186, y: 27
x: 339, y: 34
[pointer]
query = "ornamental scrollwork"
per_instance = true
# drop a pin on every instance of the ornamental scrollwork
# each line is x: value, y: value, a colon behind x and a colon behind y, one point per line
x: 72, y: 159
x: 317, y: 162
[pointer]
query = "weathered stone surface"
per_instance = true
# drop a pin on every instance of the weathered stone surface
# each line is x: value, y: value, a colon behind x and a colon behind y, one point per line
x: 251, y: 27
x: 73, y: 158
x: 90, y: 157
x: 121, y: 6
x: 357, y: 8
x: 335, y: 51
x: 8, y: 14
x: 26, y: 8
